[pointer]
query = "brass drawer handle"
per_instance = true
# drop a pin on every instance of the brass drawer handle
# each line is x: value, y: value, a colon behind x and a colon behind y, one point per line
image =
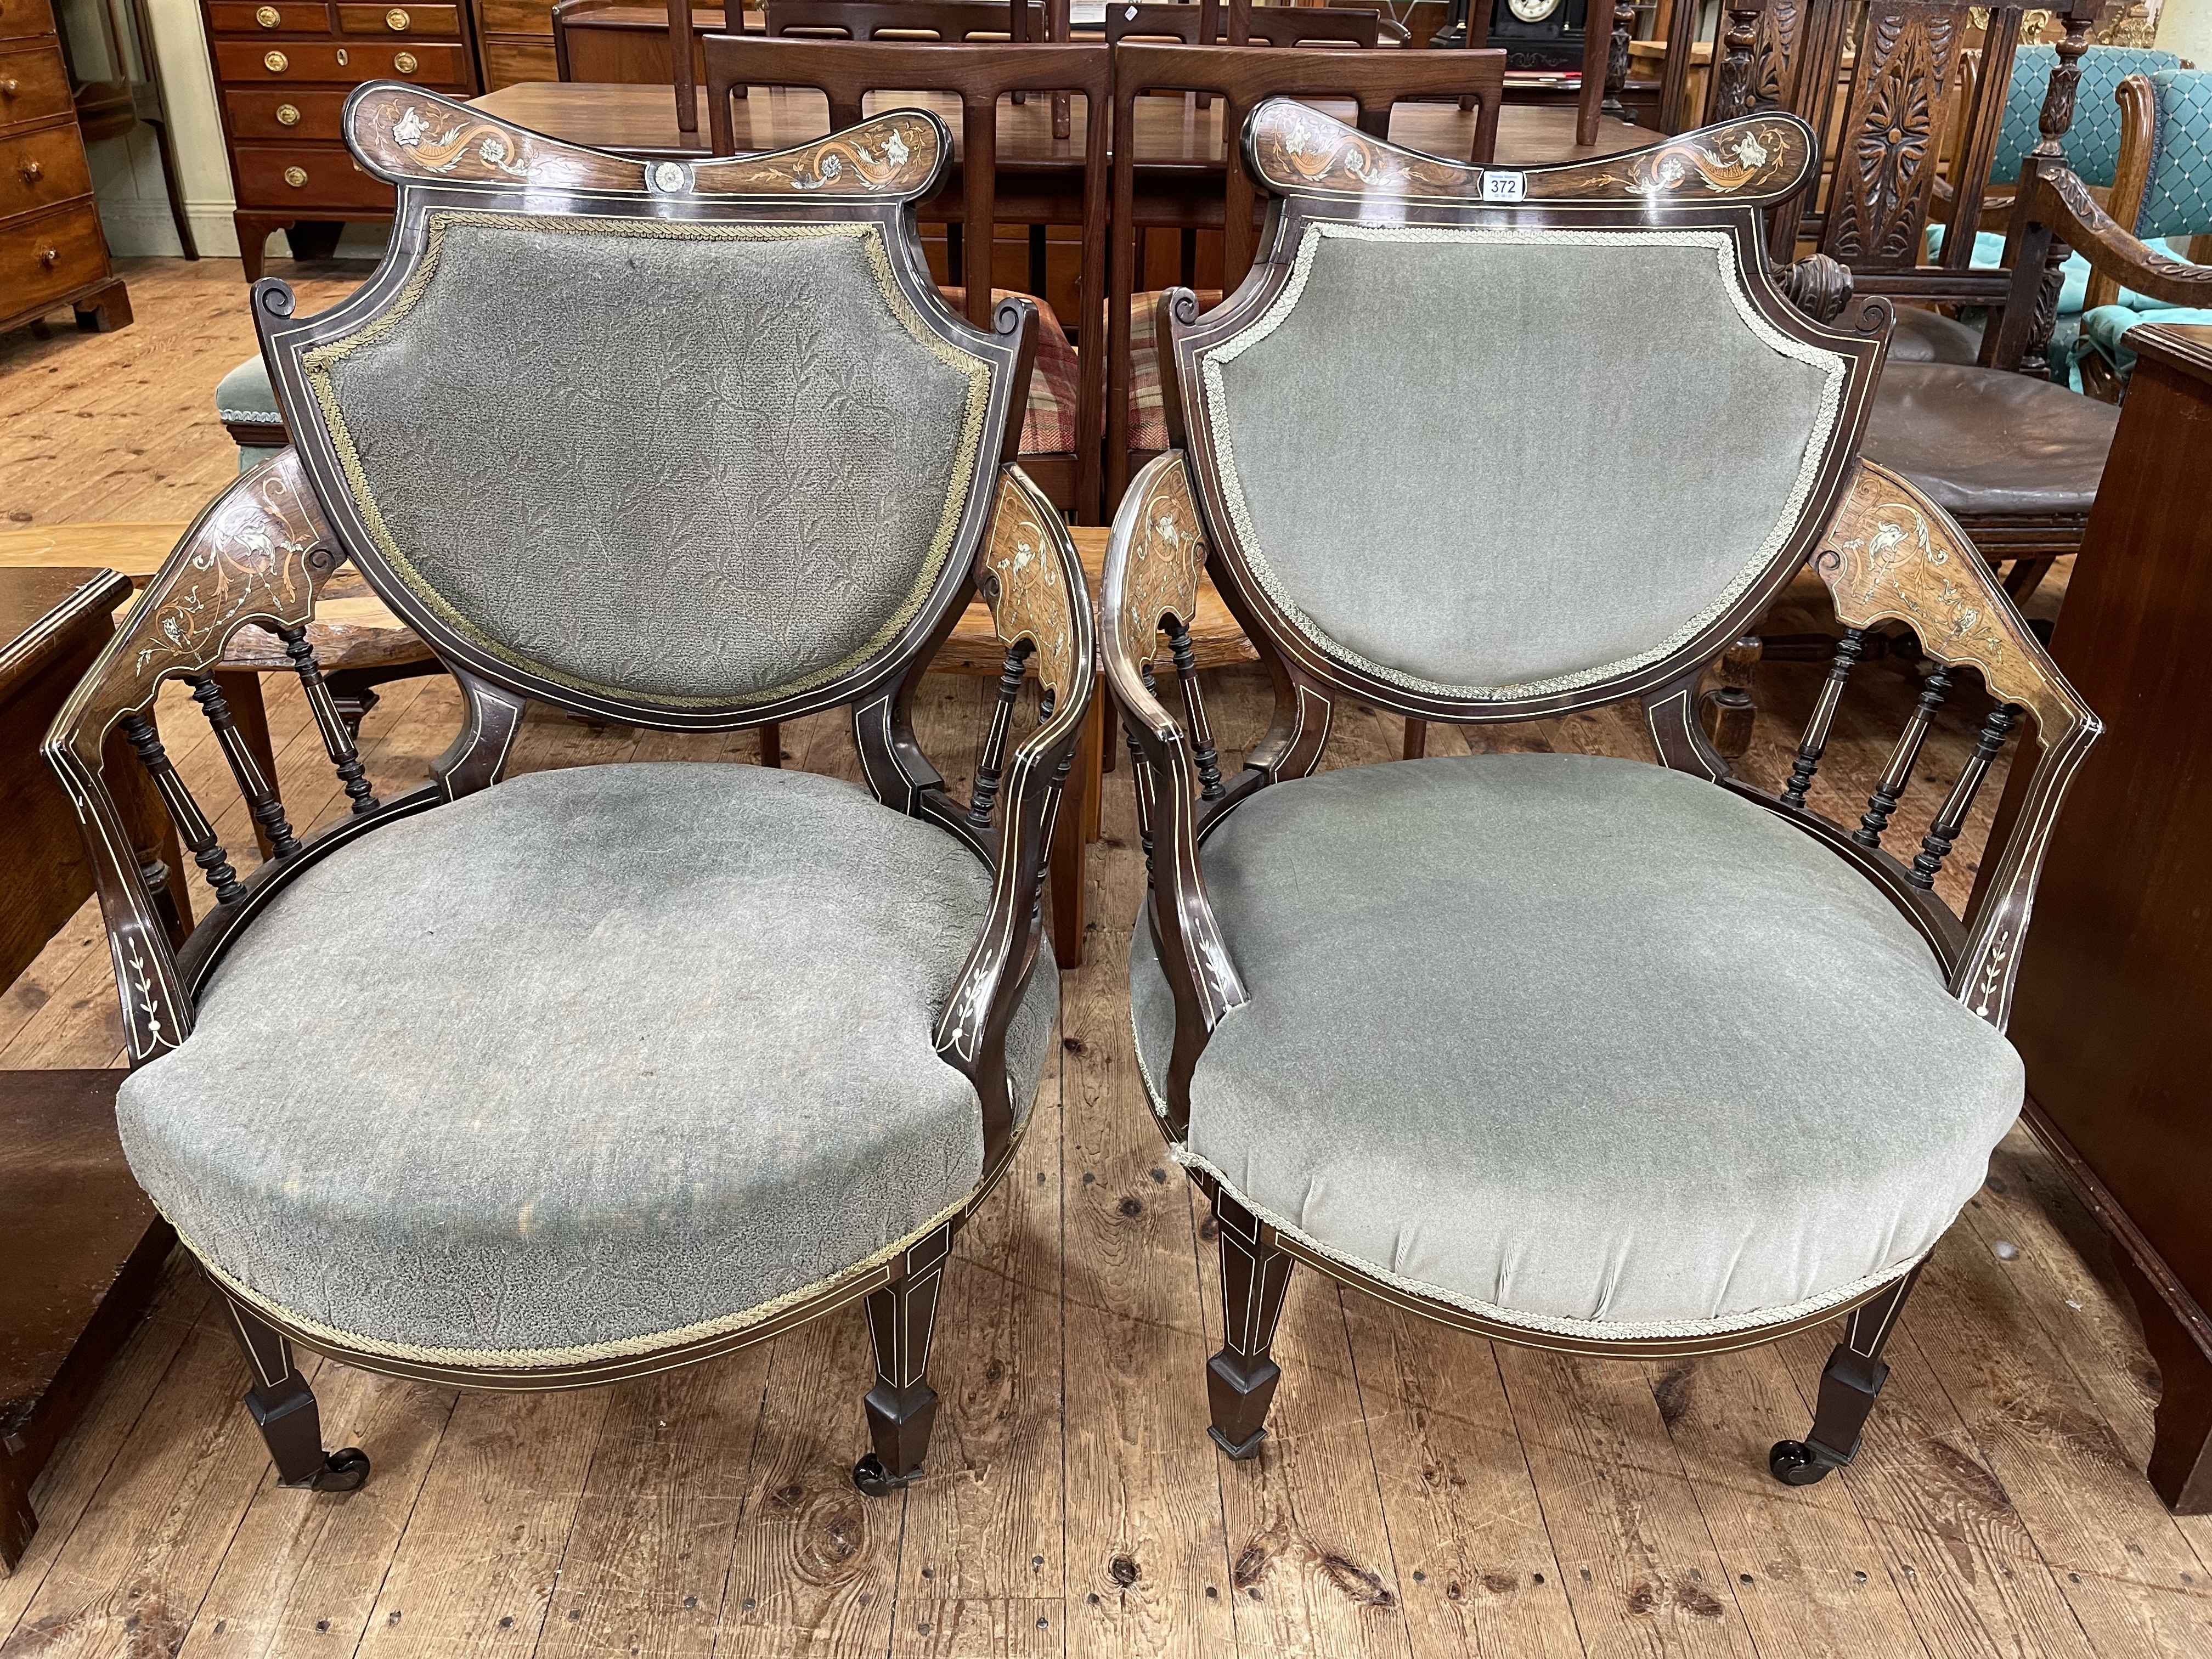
x: 7, y: 87
x: 398, y: 20
x: 33, y: 172
x: 275, y: 63
x: 288, y: 115
x: 405, y: 63
x: 269, y: 17
x: 50, y: 256
x: 295, y: 177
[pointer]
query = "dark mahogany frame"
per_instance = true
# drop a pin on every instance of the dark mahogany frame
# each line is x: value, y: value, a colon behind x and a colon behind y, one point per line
x: 262, y: 550
x: 1173, y: 521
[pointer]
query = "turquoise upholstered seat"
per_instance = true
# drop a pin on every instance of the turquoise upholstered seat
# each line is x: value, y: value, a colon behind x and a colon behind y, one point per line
x: 1579, y: 1044
x: 2177, y: 202
x: 244, y: 397
x: 2092, y: 151
x: 585, y: 1060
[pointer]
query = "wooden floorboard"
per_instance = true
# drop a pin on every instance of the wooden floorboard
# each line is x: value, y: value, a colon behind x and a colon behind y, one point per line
x: 1424, y: 1492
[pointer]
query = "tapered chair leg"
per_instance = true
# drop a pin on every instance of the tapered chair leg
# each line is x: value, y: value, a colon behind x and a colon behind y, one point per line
x: 283, y: 1407
x: 903, y: 1407
x: 1240, y: 1380
x: 1849, y: 1385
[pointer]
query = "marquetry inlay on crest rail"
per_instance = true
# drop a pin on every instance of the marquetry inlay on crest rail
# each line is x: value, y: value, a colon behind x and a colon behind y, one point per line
x: 1759, y: 158
x: 1890, y: 555
x: 405, y: 135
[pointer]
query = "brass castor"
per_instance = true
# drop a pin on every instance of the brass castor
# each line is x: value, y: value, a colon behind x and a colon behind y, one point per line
x: 341, y: 1471
x: 1793, y: 1464
x: 874, y: 1480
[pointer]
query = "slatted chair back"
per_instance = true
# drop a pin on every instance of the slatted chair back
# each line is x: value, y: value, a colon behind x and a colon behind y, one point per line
x: 846, y: 72
x: 907, y: 20
x: 1264, y: 25
x: 1375, y: 82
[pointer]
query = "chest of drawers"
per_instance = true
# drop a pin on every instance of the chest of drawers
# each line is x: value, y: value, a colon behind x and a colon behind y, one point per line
x: 51, y: 252
x: 283, y: 69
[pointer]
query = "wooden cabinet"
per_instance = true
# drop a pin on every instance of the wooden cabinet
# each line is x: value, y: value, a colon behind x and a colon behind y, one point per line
x: 51, y: 252
x: 518, y: 41
x: 2115, y: 973
x: 282, y: 70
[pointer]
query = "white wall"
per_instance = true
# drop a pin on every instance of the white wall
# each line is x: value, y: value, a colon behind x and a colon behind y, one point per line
x: 2186, y: 26
x: 134, y: 209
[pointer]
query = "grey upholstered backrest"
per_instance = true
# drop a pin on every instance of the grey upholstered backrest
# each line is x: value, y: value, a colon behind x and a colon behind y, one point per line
x: 1484, y: 462
x: 691, y: 462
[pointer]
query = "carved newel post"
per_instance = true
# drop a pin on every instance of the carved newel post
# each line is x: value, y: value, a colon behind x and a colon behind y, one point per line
x: 2056, y: 118
x: 1732, y: 73
x: 1616, y: 58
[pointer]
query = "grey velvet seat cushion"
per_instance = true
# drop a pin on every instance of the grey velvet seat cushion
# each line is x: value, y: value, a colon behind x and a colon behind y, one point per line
x: 594, y: 1055
x: 244, y: 395
x: 1582, y: 1043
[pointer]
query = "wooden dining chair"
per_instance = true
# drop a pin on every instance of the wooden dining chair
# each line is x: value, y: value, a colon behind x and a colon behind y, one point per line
x: 935, y: 20
x: 729, y: 458
x: 2016, y: 459
x: 1264, y: 25
x: 1732, y: 1069
x: 1242, y: 76
x: 1061, y: 434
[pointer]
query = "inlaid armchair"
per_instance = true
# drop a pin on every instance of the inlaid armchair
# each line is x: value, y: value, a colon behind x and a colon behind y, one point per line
x: 1572, y: 1051
x: 590, y: 1072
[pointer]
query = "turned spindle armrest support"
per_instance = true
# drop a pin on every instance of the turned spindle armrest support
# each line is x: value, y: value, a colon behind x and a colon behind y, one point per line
x: 258, y: 554
x: 1153, y: 558
x: 1029, y: 576
x: 1892, y: 554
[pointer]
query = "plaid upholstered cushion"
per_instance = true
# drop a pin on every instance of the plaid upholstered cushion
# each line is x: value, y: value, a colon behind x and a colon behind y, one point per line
x: 1148, y: 416
x: 1056, y: 398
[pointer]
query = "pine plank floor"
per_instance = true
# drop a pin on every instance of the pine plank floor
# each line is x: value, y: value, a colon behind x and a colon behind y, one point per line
x: 1424, y: 1492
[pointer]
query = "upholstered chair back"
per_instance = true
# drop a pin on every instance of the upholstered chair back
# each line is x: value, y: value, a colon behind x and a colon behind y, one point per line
x: 2177, y: 196
x: 2093, y: 143
x: 705, y: 443
x: 1499, y: 456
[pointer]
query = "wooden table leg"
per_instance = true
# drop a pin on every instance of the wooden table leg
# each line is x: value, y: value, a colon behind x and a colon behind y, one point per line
x: 242, y: 691
x: 1076, y: 826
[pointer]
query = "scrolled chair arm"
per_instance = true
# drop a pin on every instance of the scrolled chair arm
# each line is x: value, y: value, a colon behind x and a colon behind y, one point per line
x: 1892, y: 554
x: 1153, y: 558
x: 259, y: 554
x: 1031, y: 578
x: 2059, y: 204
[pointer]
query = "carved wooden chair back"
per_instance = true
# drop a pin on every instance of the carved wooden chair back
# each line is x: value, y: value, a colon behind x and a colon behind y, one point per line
x: 1395, y: 290
x: 846, y: 72
x: 691, y: 515
x: 907, y: 20
x: 1242, y: 76
x: 1264, y: 25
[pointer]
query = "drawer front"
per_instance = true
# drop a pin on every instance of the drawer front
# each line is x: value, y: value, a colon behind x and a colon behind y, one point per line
x: 248, y: 63
x: 515, y: 17
x: 33, y: 86
x: 22, y: 17
x: 293, y: 114
x: 303, y: 176
x: 506, y: 62
x: 47, y: 258
x: 402, y: 23
x: 265, y: 17
x: 40, y: 169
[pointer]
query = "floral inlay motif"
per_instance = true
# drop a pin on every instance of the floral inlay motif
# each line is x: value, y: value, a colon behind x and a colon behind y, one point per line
x: 1887, y: 560
x: 1746, y: 159
x: 1031, y: 601
x: 248, y: 559
x: 1166, y: 555
x: 1300, y: 148
x: 892, y: 154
